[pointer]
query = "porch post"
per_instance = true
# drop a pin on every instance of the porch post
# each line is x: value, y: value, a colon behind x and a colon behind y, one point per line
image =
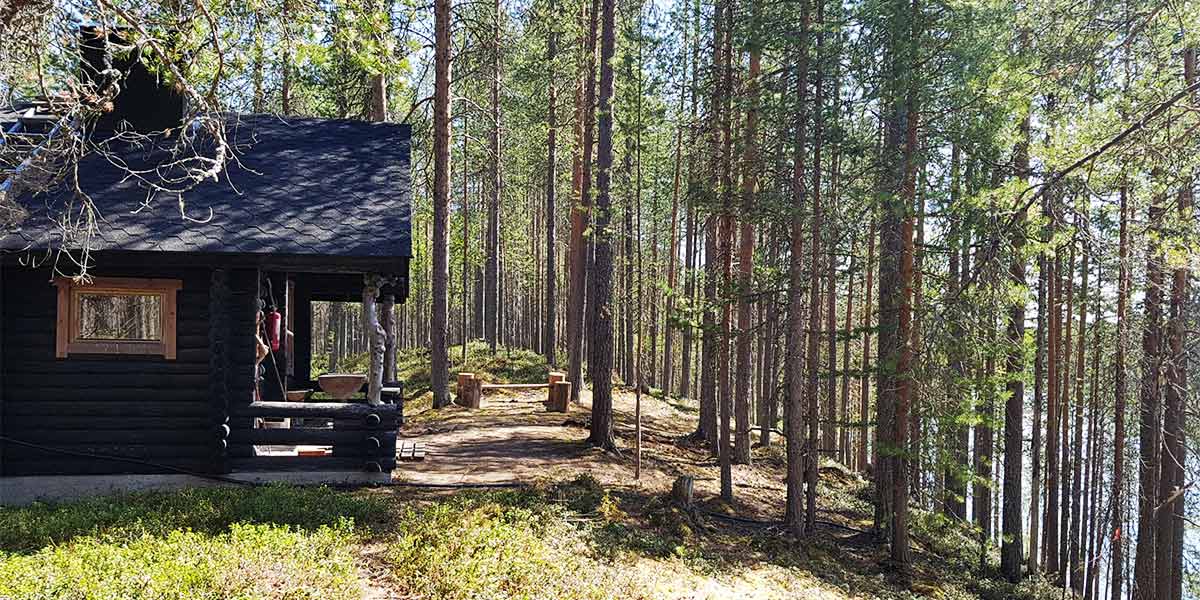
x: 376, y: 337
x: 387, y: 317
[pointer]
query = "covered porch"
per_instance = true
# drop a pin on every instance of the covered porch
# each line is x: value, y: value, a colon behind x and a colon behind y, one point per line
x: 297, y: 421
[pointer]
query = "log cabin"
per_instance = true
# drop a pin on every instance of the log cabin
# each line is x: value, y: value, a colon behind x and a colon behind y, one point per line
x: 151, y: 364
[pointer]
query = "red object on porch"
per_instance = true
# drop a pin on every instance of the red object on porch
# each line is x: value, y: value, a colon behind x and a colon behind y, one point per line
x: 273, y: 320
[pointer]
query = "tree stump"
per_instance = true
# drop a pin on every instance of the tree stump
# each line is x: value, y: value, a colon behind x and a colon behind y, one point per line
x: 681, y: 492
x: 464, y: 389
x: 555, y: 377
x: 560, y: 396
x: 475, y: 392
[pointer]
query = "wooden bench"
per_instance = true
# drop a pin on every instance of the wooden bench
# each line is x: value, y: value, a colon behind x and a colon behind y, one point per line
x: 471, y: 388
x: 514, y: 386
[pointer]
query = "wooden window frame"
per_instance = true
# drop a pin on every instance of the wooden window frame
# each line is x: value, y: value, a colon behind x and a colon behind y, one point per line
x: 67, y: 340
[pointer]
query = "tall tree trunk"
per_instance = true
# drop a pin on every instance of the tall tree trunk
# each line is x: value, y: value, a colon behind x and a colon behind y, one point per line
x: 1150, y: 409
x: 491, y: 281
x: 550, y: 313
x: 813, y: 415
x: 725, y: 250
x: 915, y: 438
x: 337, y: 340
x: 1169, y: 527
x: 1014, y: 367
x: 589, y: 137
x: 981, y: 493
x: 895, y: 284
x: 844, y: 436
x: 578, y: 251
x: 741, y: 448
x: 258, y: 101
x: 1050, y: 516
x: 707, y: 428
x: 1119, y: 391
x: 1035, y: 452
x: 685, y: 377
x: 629, y: 326
x: 1067, y: 372
x: 768, y: 413
x: 955, y: 501
x: 796, y: 447
x: 689, y: 276
x: 285, y: 63
x: 864, y: 393
x: 668, y: 372
x: 1095, y: 458
x: 1075, y: 531
x: 820, y: 410
x: 602, y: 334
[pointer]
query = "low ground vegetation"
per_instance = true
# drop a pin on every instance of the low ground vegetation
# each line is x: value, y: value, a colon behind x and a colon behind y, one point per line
x: 572, y: 537
x: 565, y: 540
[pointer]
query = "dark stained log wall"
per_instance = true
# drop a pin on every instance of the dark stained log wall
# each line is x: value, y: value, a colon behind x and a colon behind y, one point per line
x: 219, y: 332
x: 145, y: 408
x: 243, y: 312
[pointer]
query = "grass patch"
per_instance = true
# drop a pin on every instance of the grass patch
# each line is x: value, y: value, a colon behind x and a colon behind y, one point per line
x: 512, y: 544
x: 209, y: 510
x: 248, y: 561
x: 574, y: 540
x: 269, y: 542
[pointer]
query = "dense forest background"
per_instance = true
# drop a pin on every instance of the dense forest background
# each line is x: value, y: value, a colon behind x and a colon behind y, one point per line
x: 951, y: 243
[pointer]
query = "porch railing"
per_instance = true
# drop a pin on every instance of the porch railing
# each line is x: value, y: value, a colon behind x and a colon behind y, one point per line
x: 363, y: 436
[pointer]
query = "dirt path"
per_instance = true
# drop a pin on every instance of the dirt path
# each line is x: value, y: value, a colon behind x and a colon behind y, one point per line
x: 512, y: 439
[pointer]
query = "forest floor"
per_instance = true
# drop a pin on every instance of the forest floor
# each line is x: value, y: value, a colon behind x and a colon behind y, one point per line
x: 511, y: 438
x: 721, y: 550
x: 574, y: 525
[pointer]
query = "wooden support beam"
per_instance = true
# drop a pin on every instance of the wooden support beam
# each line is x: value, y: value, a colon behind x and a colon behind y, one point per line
x: 387, y: 319
x: 316, y: 410
x: 376, y: 337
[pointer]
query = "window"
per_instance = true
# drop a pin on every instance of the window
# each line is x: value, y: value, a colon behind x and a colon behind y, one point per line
x: 115, y: 315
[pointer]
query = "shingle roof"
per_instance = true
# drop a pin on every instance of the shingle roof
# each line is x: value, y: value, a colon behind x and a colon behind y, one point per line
x: 297, y: 186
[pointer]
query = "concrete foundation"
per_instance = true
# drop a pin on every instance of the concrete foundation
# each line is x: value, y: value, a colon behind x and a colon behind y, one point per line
x: 19, y: 491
